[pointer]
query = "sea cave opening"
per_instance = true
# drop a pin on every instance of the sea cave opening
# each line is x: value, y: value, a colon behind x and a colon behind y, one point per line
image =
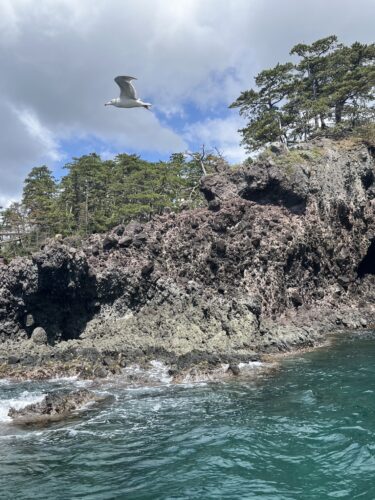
x: 367, y: 264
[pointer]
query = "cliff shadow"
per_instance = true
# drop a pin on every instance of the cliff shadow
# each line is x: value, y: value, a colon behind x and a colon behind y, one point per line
x: 367, y: 264
x: 62, y: 311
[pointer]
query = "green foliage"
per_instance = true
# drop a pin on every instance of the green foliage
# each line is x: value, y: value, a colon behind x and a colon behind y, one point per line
x: 39, y: 198
x: 330, y: 84
x: 97, y: 194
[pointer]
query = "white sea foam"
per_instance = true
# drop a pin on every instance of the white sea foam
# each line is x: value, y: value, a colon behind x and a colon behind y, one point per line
x: 24, y: 399
x: 157, y: 373
x: 72, y: 378
x: 251, y: 364
x: 75, y: 380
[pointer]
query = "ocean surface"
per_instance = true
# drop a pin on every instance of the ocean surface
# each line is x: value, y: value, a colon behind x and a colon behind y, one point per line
x: 304, y: 430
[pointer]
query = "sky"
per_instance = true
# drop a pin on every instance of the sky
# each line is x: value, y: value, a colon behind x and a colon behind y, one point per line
x: 192, y: 58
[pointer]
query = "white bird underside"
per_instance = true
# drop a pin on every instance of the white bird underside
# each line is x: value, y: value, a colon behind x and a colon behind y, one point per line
x: 128, y: 95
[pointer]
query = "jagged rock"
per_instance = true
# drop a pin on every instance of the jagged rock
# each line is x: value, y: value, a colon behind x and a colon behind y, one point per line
x: 147, y: 268
x: 284, y: 243
x: 100, y: 372
x: 235, y: 369
x: 295, y: 297
x: 119, y: 230
x: 278, y: 148
x: 109, y: 242
x: 54, y: 407
x: 125, y: 241
x: 139, y: 239
x: 214, y: 205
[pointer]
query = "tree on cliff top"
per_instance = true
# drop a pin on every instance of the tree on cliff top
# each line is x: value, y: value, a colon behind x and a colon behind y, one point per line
x: 96, y: 195
x: 39, y: 195
x: 330, y: 85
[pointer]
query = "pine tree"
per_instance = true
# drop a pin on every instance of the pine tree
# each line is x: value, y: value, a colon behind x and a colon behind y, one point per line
x: 39, y: 199
x: 331, y: 84
x: 83, y: 196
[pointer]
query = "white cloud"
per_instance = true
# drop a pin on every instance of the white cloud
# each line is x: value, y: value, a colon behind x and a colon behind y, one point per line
x: 58, y: 59
x: 41, y: 134
x: 8, y: 22
x: 218, y: 133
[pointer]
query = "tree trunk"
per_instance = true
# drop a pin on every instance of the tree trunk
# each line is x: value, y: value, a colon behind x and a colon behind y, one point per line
x: 338, y: 111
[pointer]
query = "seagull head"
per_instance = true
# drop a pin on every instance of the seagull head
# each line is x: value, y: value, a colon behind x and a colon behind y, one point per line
x: 109, y: 103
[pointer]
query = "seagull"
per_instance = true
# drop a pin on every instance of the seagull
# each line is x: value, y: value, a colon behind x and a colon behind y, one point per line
x: 128, y: 95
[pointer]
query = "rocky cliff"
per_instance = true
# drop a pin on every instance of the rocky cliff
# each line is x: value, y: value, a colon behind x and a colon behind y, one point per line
x: 283, y: 252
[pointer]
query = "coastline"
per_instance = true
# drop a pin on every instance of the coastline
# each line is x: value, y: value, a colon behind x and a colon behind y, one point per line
x: 279, y: 259
x: 82, y: 361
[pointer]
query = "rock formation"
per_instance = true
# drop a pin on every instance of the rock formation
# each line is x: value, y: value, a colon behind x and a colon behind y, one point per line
x: 284, y: 250
x: 53, y: 408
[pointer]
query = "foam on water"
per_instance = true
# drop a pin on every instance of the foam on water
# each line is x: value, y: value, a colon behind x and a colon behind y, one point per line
x: 252, y: 365
x: 301, y: 431
x: 156, y: 373
x: 160, y: 372
x: 24, y: 399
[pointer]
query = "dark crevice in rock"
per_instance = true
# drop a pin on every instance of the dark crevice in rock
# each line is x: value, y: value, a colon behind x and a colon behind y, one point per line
x: 63, y: 317
x: 64, y: 298
x: 367, y: 264
x: 62, y: 320
x: 273, y: 194
x: 207, y: 193
x: 343, y: 212
x: 368, y: 178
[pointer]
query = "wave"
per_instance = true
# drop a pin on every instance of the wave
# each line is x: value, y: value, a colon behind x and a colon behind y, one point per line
x: 24, y: 399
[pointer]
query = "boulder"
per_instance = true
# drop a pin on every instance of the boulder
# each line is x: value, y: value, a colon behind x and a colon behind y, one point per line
x: 140, y: 239
x: 125, y: 241
x: 39, y: 336
x: 109, y: 242
x: 214, y: 205
x: 235, y: 369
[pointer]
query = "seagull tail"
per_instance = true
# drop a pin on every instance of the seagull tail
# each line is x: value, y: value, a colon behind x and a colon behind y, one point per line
x: 147, y: 106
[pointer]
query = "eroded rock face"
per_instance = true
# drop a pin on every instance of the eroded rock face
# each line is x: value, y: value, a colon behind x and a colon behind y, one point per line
x: 282, y: 244
x: 55, y: 290
x: 53, y: 408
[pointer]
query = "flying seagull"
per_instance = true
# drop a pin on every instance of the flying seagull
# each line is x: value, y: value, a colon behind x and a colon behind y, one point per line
x: 128, y: 95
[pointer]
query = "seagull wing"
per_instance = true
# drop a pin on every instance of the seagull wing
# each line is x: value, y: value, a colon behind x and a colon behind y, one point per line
x: 127, y: 89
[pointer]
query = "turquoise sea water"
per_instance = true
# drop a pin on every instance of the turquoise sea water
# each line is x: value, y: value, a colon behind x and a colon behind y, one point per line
x: 303, y: 431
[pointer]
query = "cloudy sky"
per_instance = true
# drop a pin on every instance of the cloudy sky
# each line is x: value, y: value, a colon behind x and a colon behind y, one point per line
x: 192, y: 58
